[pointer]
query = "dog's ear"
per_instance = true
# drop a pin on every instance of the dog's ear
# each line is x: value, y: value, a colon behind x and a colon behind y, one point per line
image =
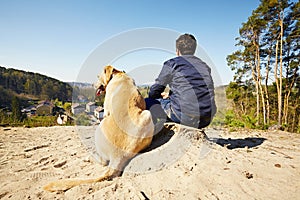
x: 108, y: 71
x: 115, y: 71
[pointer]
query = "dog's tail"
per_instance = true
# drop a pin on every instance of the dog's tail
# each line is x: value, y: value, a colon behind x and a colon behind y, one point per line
x: 64, y: 185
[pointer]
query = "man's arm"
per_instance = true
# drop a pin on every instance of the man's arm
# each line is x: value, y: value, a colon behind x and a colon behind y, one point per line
x: 161, y: 82
x: 156, y: 90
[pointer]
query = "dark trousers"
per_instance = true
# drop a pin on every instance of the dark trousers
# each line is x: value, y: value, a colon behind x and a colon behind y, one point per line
x: 162, y: 111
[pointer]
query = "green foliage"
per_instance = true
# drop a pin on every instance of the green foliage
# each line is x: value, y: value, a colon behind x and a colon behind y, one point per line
x: 16, y: 82
x: 16, y: 110
x: 244, y: 121
x: 58, y: 103
x: 218, y: 120
x: 82, y: 120
x: 33, y: 121
x: 144, y: 91
x: 243, y: 109
x: 222, y: 106
x: 4, y: 118
x: 234, y: 92
x: 37, y: 121
x: 232, y: 120
x: 268, y: 50
x: 249, y: 121
x: 67, y: 106
x: 5, y: 96
x: 100, y: 100
x: 19, y: 89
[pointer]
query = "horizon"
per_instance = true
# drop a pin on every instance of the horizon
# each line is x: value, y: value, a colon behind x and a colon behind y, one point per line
x: 56, y: 38
x: 90, y: 83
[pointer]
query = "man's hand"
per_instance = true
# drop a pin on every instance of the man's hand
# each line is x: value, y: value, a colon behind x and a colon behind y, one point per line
x: 164, y: 95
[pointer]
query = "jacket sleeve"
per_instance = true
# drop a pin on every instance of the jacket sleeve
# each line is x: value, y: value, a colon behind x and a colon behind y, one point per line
x: 164, y: 78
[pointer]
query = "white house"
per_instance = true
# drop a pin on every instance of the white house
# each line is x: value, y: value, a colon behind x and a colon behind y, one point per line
x: 29, y: 111
x: 77, y: 108
x: 62, y: 119
x: 90, y: 107
x: 98, y: 112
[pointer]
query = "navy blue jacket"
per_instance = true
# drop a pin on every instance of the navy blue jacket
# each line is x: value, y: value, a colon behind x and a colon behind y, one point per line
x: 191, y: 86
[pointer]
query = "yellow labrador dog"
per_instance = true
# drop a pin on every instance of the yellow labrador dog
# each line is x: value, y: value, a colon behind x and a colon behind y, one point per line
x: 126, y: 129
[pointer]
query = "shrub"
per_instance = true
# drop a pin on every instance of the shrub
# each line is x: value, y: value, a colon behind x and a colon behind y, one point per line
x: 232, y: 120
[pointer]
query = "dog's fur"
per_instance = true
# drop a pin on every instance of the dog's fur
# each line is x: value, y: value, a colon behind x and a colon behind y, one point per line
x: 126, y: 129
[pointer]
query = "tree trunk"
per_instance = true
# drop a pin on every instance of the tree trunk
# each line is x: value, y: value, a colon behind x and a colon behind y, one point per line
x: 266, y: 90
x: 280, y: 73
x: 287, y: 96
x: 260, y: 86
x: 257, y: 95
x: 276, y: 80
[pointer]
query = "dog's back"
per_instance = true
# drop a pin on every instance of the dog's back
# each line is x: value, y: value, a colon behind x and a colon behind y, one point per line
x: 126, y: 129
x: 126, y: 105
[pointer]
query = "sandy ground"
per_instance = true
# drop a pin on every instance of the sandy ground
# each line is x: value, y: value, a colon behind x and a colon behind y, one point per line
x: 236, y: 165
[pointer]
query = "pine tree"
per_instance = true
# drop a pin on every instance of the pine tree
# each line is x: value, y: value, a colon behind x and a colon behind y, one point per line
x: 269, y: 49
x: 16, y: 110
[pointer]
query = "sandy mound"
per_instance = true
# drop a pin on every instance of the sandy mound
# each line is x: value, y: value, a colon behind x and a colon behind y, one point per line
x: 237, y: 165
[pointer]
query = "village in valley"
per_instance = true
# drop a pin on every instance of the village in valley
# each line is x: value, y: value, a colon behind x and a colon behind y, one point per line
x: 31, y: 100
x: 92, y: 112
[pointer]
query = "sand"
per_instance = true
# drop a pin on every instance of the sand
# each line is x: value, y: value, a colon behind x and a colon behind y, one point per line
x: 231, y: 165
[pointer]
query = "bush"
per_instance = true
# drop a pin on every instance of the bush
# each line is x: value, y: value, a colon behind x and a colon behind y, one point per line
x: 219, y: 119
x: 36, y: 121
x: 232, y: 120
x: 82, y: 120
x: 249, y: 121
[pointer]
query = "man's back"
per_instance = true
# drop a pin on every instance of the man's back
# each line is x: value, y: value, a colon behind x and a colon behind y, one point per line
x: 191, y: 85
x: 191, y: 99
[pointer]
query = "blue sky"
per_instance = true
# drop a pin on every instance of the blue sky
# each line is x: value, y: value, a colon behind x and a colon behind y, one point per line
x: 56, y: 37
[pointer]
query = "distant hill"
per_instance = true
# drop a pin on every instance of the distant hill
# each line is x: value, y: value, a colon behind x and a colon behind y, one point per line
x: 80, y: 85
x: 29, y: 85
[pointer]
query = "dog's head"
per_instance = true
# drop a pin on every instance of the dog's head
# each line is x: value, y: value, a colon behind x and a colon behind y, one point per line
x: 104, y: 78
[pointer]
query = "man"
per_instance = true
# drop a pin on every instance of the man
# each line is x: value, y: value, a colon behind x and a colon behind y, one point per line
x: 191, y: 97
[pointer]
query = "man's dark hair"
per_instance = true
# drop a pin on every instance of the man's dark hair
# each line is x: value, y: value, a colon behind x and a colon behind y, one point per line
x: 186, y: 44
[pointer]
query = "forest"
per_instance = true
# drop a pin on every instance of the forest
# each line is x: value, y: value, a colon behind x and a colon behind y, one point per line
x: 20, y: 89
x: 266, y: 87
x: 29, y: 85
